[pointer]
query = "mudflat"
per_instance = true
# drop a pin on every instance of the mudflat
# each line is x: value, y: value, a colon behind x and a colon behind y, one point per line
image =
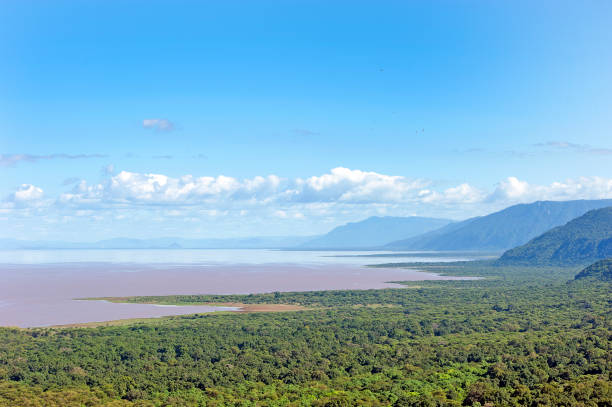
x: 34, y: 295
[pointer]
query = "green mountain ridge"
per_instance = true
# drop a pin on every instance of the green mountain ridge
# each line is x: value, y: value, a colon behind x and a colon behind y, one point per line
x: 581, y: 241
x: 601, y: 270
x: 502, y: 230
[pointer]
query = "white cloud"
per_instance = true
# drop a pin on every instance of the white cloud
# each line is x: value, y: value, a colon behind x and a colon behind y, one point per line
x: 461, y: 194
x: 274, y: 205
x: 158, y: 124
x: 27, y: 192
x: 25, y: 196
x: 355, y: 186
x: 341, y: 186
x: 513, y: 190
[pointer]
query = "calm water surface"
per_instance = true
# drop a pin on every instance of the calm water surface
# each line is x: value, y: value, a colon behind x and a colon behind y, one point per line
x: 225, y: 256
x: 42, y: 287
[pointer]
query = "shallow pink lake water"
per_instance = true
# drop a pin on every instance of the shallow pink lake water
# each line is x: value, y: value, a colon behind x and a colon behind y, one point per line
x: 34, y: 295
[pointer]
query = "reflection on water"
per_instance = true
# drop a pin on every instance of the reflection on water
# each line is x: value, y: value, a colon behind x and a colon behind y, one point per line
x: 225, y: 256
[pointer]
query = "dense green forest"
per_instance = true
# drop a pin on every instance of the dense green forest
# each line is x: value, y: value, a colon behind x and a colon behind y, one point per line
x: 581, y: 241
x: 517, y: 337
x: 601, y: 270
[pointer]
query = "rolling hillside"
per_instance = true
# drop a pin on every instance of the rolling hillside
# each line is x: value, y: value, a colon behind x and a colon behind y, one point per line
x: 601, y: 270
x: 583, y: 240
x: 501, y: 230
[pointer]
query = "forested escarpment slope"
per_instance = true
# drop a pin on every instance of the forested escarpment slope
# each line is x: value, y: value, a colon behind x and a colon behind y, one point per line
x: 601, y: 270
x: 581, y: 241
x: 501, y: 230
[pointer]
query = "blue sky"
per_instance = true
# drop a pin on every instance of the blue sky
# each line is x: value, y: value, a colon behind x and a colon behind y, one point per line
x: 153, y: 118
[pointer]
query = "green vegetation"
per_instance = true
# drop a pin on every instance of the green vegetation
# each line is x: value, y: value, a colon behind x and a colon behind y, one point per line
x: 581, y: 241
x: 521, y: 336
x: 601, y: 270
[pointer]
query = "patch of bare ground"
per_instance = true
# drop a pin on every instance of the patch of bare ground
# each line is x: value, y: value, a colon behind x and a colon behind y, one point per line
x: 261, y: 307
x: 242, y: 307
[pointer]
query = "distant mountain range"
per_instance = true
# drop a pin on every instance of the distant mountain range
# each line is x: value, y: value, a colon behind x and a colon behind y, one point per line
x: 267, y: 242
x: 583, y: 240
x: 501, y: 230
x: 508, y: 228
x: 374, y: 232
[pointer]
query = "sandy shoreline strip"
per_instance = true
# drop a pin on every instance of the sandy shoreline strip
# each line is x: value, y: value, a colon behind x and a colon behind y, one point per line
x: 241, y: 307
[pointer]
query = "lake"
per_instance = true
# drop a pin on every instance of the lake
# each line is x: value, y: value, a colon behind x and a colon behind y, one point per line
x: 42, y: 287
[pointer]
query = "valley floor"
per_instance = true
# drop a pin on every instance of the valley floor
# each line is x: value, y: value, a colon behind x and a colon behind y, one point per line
x: 518, y: 337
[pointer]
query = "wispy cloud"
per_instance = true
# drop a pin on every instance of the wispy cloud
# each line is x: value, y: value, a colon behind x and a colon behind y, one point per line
x: 562, y: 145
x: 70, y: 181
x: 580, y: 148
x: 543, y: 147
x: 305, y: 132
x: 107, y: 170
x: 478, y: 150
x: 158, y: 124
x: 520, y: 153
x: 9, y: 160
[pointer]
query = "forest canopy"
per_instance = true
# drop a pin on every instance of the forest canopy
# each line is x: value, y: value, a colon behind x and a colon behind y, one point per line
x: 521, y: 336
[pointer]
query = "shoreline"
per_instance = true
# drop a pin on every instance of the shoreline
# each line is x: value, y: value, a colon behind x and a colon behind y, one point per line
x: 42, y: 295
x: 240, y: 307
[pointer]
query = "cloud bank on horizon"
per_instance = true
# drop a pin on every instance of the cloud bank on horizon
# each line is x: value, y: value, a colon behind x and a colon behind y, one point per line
x: 297, y: 205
